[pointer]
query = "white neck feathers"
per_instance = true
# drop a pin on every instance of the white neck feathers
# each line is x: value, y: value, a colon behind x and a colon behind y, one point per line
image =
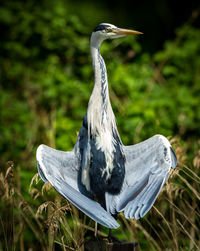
x: 99, y: 114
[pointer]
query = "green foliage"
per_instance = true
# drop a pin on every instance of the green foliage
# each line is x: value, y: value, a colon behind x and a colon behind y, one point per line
x: 47, y: 78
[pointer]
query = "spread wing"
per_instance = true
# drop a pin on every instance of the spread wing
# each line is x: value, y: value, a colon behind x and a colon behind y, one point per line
x: 147, y: 167
x: 62, y: 170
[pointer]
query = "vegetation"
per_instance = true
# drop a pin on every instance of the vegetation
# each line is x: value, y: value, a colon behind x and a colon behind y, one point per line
x: 46, y: 81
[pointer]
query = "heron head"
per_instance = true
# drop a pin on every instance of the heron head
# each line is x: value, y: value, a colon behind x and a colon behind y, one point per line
x: 104, y: 31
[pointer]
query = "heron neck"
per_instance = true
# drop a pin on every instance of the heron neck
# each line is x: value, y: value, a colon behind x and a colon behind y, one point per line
x: 100, y: 115
x: 100, y: 74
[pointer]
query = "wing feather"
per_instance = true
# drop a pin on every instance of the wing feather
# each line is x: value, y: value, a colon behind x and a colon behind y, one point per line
x: 147, y: 168
x: 61, y: 170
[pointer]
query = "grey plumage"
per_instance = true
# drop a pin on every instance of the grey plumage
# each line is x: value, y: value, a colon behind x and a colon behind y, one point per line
x: 122, y: 178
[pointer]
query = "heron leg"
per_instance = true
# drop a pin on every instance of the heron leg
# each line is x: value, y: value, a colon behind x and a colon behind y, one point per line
x: 112, y: 238
x: 96, y: 230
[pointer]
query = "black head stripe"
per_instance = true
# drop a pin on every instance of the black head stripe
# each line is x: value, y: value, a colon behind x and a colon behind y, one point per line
x: 101, y: 27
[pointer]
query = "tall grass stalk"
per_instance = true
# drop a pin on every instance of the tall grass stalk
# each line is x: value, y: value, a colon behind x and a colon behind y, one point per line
x: 55, y: 224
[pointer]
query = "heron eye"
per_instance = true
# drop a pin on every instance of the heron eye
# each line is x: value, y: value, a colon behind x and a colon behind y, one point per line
x: 108, y: 29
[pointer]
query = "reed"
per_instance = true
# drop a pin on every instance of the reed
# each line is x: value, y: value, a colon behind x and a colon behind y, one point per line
x: 53, y: 223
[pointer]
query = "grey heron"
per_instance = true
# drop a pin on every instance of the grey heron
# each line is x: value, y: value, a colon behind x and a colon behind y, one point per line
x: 101, y: 176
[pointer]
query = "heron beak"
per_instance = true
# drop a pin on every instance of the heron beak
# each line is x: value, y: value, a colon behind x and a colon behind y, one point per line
x: 120, y: 31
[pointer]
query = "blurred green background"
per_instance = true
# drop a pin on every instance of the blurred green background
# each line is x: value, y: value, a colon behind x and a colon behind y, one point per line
x: 46, y: 79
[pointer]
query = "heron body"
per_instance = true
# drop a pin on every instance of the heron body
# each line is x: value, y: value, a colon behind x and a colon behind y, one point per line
x: 104, y: 169
x: 120, y: 178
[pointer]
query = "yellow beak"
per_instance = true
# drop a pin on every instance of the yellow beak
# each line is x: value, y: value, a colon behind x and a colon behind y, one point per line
x: 127, y: 32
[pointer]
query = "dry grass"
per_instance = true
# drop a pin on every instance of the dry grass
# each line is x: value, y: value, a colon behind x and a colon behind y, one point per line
x: 172, y: 224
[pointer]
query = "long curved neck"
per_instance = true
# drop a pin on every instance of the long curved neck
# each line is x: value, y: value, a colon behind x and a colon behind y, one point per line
x: 100, y: 90
x: 100, y: 115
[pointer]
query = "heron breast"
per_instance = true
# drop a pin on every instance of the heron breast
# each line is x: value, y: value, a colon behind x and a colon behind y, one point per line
x: 106, y: 167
